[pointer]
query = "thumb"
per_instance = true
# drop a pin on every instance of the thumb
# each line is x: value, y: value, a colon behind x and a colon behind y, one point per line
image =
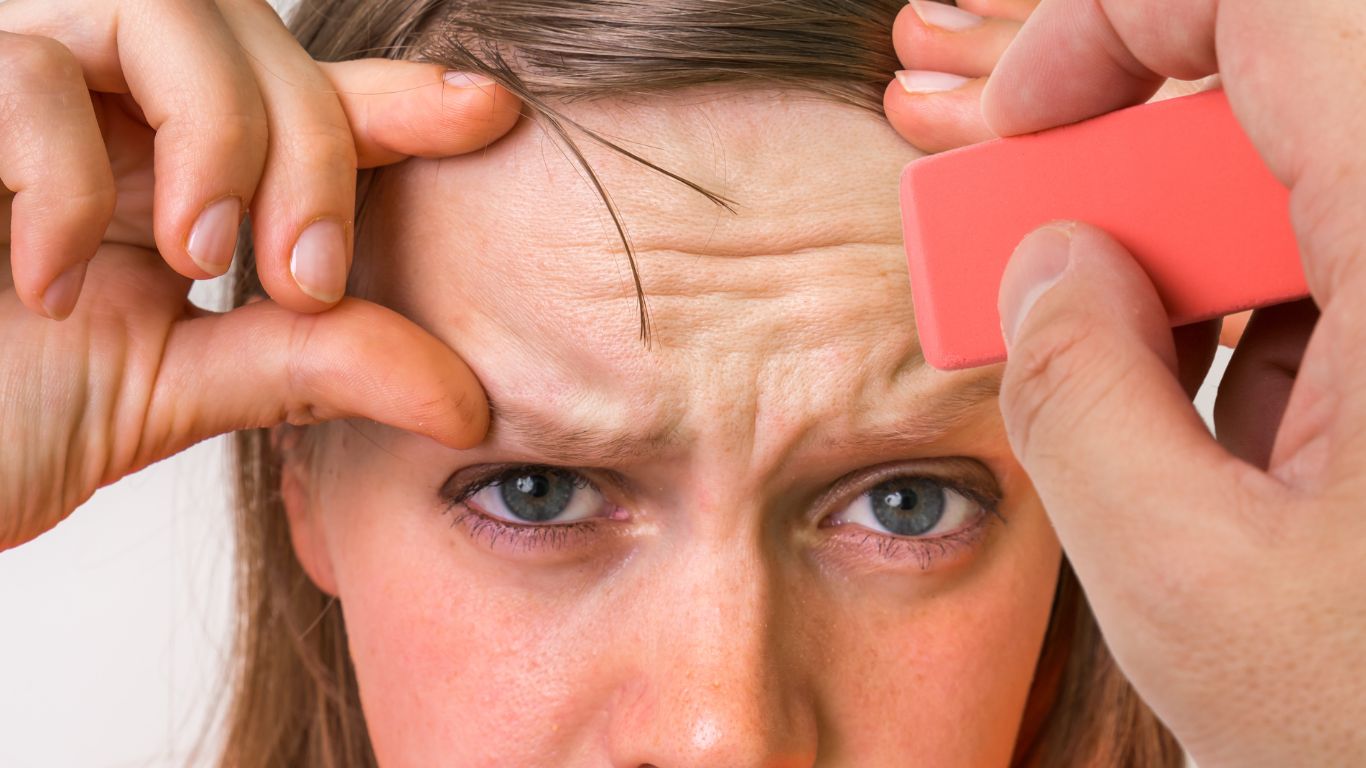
x: 399, y: 109
x: 262, y: 365
x: 1093, y: 407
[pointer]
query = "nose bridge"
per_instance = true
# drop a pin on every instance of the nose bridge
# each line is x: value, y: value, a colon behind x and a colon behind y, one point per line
x: 711, y: 683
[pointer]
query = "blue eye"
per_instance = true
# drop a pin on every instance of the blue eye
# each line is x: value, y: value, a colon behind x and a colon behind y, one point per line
x: 534, y: 495
x: 911, y: 507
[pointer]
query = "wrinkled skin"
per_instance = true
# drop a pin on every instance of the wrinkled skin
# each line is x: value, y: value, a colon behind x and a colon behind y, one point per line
x: 724, y: 603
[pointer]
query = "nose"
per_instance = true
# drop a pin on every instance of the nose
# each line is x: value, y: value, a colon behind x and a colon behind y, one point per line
x: 715, y: 676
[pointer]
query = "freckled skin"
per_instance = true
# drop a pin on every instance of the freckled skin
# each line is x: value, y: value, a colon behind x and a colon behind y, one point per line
x: 719, y: 624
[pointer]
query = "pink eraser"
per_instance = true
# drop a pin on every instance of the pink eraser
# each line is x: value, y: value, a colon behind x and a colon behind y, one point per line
x: 1177, y: 182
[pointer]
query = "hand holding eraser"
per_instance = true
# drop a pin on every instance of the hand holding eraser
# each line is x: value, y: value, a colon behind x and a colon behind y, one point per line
x: 1176, y: 182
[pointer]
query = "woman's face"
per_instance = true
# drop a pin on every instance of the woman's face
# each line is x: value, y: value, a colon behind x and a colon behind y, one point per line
x: 772, y: 536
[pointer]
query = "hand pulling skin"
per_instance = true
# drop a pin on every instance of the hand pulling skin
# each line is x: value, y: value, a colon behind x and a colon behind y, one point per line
x: 1177, y: 182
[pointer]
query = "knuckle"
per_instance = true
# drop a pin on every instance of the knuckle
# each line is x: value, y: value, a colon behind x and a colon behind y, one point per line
x: 94, y: 204
x: 241, y: 129
x: 226, y: 133
x: 84, y: 202
x: 321, y: 151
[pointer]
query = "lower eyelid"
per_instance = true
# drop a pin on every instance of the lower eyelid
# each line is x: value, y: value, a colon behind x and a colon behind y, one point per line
x: 495, y: 532
x: 926, y: 552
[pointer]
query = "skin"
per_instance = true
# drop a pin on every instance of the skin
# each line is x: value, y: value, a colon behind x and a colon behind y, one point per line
x: 713, y: 613
x: 1243, y: 626
x: 1277, y: 593
x: 750, y: 615
x: 105, y: 162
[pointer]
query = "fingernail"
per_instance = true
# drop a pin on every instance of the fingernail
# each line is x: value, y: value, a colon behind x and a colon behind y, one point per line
x: 318, y: 262
x: 468, y: 80
x: 59, y: 300
x: 943, y: 16
x: 1037, y: 265
x: 926, y: 81
x: 214, y: 235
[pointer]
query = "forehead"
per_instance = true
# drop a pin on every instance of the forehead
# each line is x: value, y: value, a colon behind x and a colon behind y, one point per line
x: 797, y: 299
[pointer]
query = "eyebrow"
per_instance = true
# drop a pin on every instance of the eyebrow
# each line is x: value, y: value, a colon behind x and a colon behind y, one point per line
x: 940, y: 413
x: 561, y: 443
x: 548, y: 436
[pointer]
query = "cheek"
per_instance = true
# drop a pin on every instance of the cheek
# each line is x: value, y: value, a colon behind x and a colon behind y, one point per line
x: 461, y: 663
x: 455, y: 667
x: 946, y: 679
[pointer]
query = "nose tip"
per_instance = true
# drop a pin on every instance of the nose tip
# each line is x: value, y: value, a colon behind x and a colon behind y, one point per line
x: 712, y: 682
x: 738, y: 725
x: 724, y: 701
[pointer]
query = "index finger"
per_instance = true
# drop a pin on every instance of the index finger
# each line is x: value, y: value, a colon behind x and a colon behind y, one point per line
x: 400, y: 109
x: 191, y: 80
x: 1075, y: 59
x: 1294, y: 82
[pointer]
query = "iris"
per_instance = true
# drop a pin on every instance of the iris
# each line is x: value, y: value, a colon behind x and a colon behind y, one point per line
x: 538, y: 497
x: 909, y: 506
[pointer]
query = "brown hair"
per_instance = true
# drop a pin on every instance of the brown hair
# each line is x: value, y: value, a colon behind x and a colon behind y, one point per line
x: 294, y: 700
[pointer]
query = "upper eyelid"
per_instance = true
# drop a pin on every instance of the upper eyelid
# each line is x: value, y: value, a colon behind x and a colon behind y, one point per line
x: 966, y: 476
x: 459, y: 488
x: 467, y: 481
x: 491, y: 474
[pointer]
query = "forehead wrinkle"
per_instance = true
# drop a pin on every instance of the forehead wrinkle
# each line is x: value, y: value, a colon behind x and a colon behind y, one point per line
x: 934, y: 416
x: 829, y: 289
x: 539, y: 262
x: 564, y: 440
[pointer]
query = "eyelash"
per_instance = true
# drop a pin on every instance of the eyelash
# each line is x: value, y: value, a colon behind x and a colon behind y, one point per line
x: 525, y: 537
x: 925, y: 551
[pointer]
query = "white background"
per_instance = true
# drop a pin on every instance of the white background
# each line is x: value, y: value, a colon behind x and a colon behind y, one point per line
x: 115, y: 626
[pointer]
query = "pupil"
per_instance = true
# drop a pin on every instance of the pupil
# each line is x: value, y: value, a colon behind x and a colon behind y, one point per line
x: 538, y: 497
x: 908, y: 506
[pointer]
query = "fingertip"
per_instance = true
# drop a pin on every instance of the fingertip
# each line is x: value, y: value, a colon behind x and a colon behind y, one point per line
x: 1037, y: 264
x: 1033, y: 87
x: 935, y: 121
x: 213, y: 237
x: 475, y: 110
x: 319, y: 261
x: 905, y: 114
x: 400, y: 109
x: 1015, y: 10
x: 51, y: 240
x: 62, y: 294
x: 1070, y: 273
x: 906, y: 29
x: 460, y: 79
x: 991, y: 109
x: 1092, y: 359
x: 458, y: 415
x: 472, y: 416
